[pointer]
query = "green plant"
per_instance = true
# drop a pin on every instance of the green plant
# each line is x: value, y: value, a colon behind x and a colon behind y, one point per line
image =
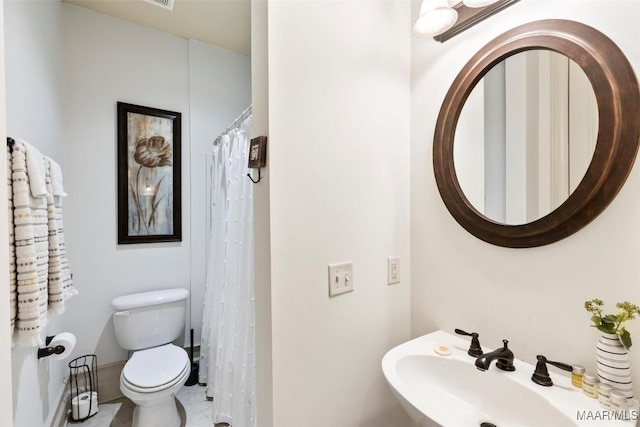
x: 612, y: 323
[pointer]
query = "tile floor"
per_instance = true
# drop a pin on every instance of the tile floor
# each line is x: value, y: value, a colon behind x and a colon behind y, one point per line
x: 195, y: 411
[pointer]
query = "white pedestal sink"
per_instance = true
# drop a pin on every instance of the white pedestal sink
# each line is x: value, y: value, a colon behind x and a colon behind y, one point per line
x: 449, y: 390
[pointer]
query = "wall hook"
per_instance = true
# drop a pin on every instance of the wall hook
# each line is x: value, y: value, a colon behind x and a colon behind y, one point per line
x: 259, y: 177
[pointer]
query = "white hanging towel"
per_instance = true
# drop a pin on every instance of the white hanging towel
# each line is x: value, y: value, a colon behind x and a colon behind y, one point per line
x: 39, y: 277
x: 31, y: 247
x: 60, y: 287
x: 35, y: 170
x: 13, y: 294
x: 57, y: 187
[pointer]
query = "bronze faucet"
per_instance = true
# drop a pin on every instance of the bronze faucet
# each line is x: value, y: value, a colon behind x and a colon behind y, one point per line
x: 504, y: 358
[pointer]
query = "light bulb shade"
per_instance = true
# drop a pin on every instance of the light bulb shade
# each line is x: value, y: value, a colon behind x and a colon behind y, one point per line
x: 435, y: 18
x: 478, y: 3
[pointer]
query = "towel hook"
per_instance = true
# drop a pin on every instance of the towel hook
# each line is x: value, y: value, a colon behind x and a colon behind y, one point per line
x: 251, y: 178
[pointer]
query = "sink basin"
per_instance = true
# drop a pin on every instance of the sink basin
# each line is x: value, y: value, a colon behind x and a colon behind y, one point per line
x: 448, y: 390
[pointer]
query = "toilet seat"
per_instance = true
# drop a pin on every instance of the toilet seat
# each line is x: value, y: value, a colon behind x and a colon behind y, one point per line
x: 181, y: 378
x: 155, y: 369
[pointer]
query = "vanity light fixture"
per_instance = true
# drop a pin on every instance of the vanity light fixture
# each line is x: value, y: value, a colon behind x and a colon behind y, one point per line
x: 435, y: 17
x: 443, y: 19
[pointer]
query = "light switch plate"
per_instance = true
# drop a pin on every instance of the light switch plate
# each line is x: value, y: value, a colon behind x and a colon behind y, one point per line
x: 393, y: 270
x: 340, y: 278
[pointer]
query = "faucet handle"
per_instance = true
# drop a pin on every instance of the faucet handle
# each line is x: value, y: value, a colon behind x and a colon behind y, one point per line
x: 541, y: 374
x: 474, y: 350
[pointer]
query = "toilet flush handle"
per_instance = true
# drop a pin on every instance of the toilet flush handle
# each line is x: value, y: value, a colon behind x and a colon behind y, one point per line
x: 121, y: 313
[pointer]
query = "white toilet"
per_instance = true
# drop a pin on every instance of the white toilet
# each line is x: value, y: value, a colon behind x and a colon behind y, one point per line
x: 146, y: 323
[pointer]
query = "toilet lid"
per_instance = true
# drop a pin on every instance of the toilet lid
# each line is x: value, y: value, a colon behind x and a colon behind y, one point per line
x: 155, y: 366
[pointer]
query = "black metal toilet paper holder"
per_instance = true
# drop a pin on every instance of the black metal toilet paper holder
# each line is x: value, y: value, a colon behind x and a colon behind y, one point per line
x: 83, y: 386
x: 48, y: 351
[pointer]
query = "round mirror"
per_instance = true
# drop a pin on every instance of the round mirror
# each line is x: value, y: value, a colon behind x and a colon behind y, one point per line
x: 525, y: 136
x: 617, y: 130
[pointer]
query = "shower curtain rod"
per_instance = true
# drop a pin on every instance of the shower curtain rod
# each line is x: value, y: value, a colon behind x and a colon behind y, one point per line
x: 241, y: 117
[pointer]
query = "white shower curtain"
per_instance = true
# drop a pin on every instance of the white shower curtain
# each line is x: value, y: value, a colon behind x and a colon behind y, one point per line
x: 227, y: 357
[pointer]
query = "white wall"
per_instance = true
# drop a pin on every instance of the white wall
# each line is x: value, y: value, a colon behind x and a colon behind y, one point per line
x: 533, y: 297
x: 34, y: 95
x: 261, y: 215
x: 339, y: 180
x: 109, y: 60
x: 219, y: 90
x: 34, y: 73
x: 6, y: 405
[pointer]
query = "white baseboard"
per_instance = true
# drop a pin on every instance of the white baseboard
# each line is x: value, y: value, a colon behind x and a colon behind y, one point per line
x: 60, y: 416
x: 109, y: 381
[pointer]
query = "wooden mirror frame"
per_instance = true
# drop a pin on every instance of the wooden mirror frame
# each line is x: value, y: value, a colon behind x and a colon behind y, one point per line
x: 618, y: 98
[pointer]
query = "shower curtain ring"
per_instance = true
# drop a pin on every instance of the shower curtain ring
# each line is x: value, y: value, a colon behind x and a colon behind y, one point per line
x: 259, y: 177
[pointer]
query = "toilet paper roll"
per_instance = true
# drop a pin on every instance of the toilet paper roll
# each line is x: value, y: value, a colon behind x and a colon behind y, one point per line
x: 65, y: 339
x: 84, y: 405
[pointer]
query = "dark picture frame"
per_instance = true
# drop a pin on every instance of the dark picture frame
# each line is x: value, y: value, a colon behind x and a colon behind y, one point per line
x: 149, y: 175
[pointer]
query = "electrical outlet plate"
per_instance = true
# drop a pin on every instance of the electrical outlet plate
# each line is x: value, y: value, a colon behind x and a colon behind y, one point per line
x: 393, y: 270
x: 340, y: 278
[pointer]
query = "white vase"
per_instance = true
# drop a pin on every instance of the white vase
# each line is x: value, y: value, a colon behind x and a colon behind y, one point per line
x: 613, y: 363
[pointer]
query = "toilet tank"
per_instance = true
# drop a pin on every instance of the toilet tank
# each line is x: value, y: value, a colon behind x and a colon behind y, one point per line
x: 149, y: 319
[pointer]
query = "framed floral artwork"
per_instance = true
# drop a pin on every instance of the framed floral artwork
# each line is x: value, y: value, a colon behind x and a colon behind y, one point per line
x: 148, y: 175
